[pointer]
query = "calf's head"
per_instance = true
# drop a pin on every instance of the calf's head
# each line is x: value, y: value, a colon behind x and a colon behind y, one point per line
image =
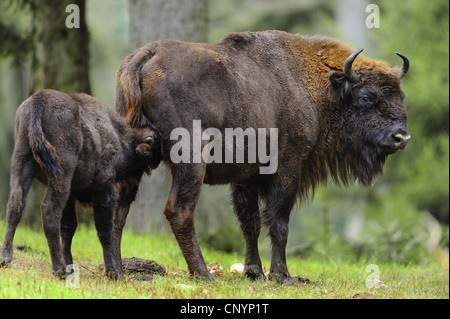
x: 149, y: 147
x: 372, y: 120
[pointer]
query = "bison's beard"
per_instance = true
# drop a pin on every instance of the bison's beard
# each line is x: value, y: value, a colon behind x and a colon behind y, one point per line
x: 365, y: 165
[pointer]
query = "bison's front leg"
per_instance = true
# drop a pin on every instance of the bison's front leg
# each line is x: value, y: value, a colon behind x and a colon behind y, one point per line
x: 187, y: 182
x: 245, y: 201
x: 280, y: 199
x: 104, y: 202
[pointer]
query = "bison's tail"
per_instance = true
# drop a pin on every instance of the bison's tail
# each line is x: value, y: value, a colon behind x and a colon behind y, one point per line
x: 128, y: 89
x: 43, y: 151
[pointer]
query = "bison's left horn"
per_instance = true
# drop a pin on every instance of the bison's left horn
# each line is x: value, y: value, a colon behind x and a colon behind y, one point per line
x: 349, y: 73
x: 404, y: 68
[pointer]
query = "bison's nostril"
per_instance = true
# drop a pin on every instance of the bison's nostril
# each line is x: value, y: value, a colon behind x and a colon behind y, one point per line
x: 401, y: 137
x: 401, y: 140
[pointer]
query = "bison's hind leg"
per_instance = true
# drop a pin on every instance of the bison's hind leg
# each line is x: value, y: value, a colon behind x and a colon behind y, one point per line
x: 22, y: 174
x: 187, y: 182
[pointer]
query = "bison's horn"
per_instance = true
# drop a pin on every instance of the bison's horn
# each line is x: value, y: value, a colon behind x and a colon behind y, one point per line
x: 349, y: 73
x: 404, y: 68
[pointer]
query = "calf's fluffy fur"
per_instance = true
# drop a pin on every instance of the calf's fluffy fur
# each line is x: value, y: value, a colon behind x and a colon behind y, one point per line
x: 83, y: 151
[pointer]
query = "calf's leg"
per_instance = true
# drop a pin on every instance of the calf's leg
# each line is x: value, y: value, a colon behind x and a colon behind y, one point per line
x: 104, y: 202
x: 22, y: 174
x: 68, y: 226
x: 126, y: 195
x: 51, y: 210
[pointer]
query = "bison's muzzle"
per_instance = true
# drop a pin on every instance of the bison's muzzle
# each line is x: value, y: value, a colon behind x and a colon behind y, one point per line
x: 396, y: 140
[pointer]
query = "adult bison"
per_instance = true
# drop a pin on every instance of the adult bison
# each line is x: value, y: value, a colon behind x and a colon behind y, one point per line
x: 84, y: 151
x: 337, y: 114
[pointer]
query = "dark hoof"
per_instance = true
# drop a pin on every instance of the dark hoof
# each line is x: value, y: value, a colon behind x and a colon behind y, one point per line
x: 61, y: 274
x: 114, y: 275
x: 5, y: 263
x: 5, y: 259
x: 121, y: 277
x: 254, y: 272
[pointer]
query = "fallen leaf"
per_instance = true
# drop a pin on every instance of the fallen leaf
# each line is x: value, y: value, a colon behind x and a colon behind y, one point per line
x: 215, y: 269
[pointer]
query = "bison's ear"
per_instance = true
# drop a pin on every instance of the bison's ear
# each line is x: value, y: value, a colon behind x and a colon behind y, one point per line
x: 336, y: 78
x: 143, y: 150
x: 340, y: 88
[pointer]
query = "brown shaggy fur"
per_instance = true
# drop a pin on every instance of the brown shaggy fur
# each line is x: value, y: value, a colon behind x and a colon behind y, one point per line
x: 327, y: 124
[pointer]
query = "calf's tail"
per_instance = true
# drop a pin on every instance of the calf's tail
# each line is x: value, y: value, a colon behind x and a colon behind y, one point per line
x: 43, y: 151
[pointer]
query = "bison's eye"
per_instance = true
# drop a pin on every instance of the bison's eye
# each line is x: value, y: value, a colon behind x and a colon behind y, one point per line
x: 148, y: 139
x: 368, y: 99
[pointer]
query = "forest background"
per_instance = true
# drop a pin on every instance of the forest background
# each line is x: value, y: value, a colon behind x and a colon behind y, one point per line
x: 403, y: 217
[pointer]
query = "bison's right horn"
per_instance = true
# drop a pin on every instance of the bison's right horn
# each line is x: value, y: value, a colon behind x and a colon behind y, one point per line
x: 349, y: 73
x: 404, y: 68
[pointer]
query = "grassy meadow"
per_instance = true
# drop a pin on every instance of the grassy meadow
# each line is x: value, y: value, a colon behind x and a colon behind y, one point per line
x: 29, y: 275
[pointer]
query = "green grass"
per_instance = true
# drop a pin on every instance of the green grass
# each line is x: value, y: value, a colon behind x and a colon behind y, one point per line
x: 29, y: 275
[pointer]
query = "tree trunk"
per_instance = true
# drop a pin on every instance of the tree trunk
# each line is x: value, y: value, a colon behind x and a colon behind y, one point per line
x: 60, y: 59
x: 152, y: 20
x: 61, y: 54
x: 351, y: 21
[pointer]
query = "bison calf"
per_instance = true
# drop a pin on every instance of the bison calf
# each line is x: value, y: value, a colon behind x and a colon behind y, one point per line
x: 83, y: 151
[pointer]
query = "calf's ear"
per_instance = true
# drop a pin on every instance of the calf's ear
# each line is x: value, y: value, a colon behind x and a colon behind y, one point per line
x: 143, y: 150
